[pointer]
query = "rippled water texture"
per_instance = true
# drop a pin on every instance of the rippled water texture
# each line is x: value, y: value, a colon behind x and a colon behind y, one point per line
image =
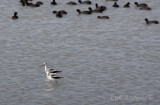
x: 104, y: 62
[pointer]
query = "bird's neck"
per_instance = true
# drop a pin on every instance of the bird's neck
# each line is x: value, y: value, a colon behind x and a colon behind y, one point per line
x: 45, y: 67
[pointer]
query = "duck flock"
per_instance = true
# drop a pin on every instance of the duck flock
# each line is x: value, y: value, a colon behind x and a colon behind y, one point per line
x: 97, y: 9
x: 52, y: 74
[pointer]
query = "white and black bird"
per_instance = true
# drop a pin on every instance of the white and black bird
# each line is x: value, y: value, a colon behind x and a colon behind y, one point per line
x: 51, y: 71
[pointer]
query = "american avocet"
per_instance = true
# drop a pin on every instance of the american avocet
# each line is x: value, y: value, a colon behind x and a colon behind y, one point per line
x: 50, y: 71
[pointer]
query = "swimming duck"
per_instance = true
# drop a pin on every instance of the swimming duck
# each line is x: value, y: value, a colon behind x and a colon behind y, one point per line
x: 15, y: 16
x: 145, y: 8
x: 61, y: 11
x: 39, y: 2
x: 53, y: 2
x: 151, y: 22
x: 95, y: 10
x: 58, y: 14
x: 115, y: 5
x: 127, y: 5
x: 28, y: 4
x: 35, y: 5
x: 84, y: 12
x: 32, y: 5
x: 85, y: 2
x: 141, y: 4
x: 72, y: 3
x: 102, y: 17
x: 102, y: 8
x: 22, y: 2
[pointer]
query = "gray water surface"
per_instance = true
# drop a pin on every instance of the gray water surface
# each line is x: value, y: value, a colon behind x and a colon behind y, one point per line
x: 104, y: 62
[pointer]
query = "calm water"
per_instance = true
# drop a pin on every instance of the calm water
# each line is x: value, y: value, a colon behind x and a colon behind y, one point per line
x: 104, y: 62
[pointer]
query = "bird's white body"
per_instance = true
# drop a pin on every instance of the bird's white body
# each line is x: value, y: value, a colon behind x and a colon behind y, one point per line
x: 49, y: 76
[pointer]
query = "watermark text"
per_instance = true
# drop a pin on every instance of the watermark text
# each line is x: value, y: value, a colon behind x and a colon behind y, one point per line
x: 131, y: 98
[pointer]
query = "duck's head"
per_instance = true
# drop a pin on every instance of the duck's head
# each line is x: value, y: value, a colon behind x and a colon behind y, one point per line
x: 78, y: 10
x: 146, y: 19
x: 136, y: 3
x: 15, y: 13
x: 54, y: 12
x: 80, y: 1
x: 90, y: 8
